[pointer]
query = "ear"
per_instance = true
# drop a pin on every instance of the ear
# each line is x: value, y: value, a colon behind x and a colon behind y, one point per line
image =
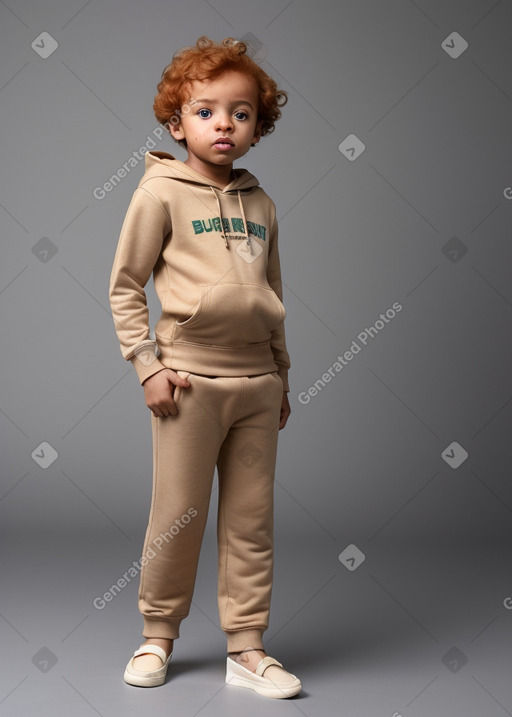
x: 257, y: 133
x: 176, y: 130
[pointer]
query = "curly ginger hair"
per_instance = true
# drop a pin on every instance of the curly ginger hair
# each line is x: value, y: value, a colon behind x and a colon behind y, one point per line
x: 208, y: 60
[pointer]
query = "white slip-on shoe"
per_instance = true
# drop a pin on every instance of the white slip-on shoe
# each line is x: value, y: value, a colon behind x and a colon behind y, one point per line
x: 240, y: 676
x: 147, y: 678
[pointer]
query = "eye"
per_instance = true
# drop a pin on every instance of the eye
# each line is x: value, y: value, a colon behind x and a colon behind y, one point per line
x: 204, y: 113
x: 241, y: 115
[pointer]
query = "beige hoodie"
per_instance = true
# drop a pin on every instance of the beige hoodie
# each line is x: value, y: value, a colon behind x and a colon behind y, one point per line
x: 215, y: 262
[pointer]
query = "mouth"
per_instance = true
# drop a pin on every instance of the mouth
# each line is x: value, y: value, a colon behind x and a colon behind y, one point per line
x: 223, y: 143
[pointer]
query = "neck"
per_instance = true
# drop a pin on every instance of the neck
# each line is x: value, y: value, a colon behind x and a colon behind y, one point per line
x: 221, y: 174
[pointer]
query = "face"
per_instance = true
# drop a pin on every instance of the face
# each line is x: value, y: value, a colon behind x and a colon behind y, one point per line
x: 222, y: 123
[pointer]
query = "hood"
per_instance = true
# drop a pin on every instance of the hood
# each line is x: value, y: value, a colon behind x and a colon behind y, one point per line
x: 163, y: 164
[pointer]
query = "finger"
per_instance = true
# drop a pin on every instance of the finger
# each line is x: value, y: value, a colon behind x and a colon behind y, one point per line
x: 170, y: 406
x: 177, y: 380
x: 159, y: 411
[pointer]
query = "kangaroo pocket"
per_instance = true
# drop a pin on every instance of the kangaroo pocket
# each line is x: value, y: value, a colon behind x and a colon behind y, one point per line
x: 232, y: 315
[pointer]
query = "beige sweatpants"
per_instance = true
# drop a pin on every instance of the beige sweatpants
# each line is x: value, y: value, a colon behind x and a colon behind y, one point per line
x: 231, y: 422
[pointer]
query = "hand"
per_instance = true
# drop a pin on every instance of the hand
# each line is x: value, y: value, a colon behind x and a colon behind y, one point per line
x: 285, y: 411
x: 159, y: 392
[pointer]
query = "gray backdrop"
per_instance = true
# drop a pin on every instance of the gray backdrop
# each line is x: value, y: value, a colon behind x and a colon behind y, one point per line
x: 392, y: 177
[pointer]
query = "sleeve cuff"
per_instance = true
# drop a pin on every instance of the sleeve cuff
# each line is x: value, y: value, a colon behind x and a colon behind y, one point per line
x: 144, y: 368
x: 282, y: 372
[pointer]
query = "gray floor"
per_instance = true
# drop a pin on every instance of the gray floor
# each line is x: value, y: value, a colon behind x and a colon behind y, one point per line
x: 389, y: 638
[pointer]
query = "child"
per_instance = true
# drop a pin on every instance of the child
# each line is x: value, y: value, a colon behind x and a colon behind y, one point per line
x: 215, y: 377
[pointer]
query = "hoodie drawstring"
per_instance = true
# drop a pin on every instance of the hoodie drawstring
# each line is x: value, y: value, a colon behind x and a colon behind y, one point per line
x: 223, y: 234
x: 247, y: 236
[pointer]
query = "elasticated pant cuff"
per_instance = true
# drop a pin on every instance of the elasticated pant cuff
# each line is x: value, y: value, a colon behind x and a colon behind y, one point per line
x: 241, y: 639
x: 156, y: 627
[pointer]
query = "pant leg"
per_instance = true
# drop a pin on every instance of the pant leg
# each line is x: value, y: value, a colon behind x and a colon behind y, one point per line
x: 185, y: 451
x: 246, y: 469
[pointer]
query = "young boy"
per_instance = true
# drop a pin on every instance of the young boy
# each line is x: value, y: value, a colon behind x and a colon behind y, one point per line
x: 215, y: 377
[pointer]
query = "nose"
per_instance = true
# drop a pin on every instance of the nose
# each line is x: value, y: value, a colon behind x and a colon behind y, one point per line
x: 224, y: 122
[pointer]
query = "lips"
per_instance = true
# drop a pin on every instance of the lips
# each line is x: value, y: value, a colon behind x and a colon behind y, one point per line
x: 223, y: 143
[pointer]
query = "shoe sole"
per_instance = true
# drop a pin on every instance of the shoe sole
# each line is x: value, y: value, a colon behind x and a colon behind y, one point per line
x: 141, y: 681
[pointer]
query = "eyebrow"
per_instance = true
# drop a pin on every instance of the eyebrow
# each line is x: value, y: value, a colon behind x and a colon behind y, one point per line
x: 213, y: 102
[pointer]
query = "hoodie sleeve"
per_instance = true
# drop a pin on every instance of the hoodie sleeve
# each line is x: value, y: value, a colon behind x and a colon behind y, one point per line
x: 145, y: 226
x: 277, y: 339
